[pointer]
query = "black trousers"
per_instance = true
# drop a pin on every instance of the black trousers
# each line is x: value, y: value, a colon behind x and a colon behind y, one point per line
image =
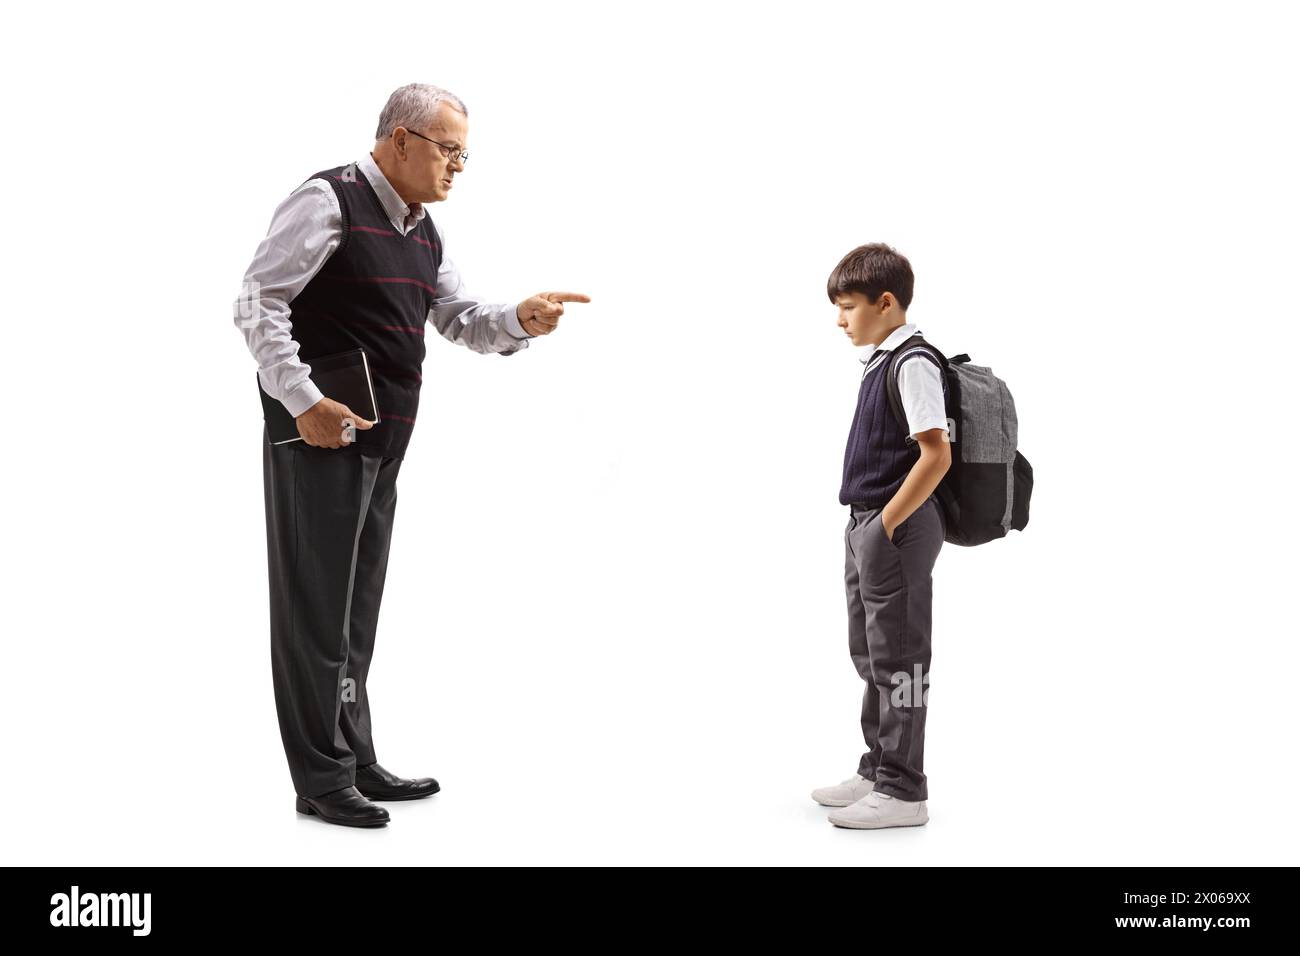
x: 329, y: 520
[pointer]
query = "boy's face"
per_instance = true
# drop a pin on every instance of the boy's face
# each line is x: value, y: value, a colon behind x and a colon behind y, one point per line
x: 865, y: 323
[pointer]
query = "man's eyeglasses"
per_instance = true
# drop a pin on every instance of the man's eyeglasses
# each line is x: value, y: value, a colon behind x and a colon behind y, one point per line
x: 451, y: 152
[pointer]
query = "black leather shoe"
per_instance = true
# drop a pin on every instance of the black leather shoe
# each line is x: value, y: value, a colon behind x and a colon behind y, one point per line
x: 345, y: 807
x: 378, y: 784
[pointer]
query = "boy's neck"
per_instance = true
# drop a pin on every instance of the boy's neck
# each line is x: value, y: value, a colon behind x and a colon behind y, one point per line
x: 876, y: 336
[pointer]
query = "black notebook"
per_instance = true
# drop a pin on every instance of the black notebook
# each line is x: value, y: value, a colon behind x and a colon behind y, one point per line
x: 342, y: 376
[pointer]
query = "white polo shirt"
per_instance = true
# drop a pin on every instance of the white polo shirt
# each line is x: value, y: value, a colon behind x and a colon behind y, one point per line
x: 919, y: 385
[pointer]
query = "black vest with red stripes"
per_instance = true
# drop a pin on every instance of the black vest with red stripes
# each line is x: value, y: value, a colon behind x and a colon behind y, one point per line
x: 375, y: 293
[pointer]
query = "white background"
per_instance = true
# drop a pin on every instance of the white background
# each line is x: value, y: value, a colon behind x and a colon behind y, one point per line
x: 614, y: 625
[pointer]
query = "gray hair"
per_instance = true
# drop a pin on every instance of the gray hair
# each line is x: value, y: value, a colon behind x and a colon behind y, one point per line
x: 414, y: 106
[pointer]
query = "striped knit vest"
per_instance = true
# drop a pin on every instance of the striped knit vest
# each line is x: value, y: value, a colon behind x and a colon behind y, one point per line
x: 877, y: 457
x: 375, y: 293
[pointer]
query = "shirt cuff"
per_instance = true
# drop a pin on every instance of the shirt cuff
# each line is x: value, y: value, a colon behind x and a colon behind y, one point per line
x: 512, y: 324
x: 925, y: 426
x: 302, y: 398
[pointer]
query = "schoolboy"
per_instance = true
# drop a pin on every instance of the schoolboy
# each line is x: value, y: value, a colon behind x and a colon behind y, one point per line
x: 894, y: 534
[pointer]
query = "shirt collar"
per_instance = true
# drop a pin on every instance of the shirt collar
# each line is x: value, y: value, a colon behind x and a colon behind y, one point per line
x: 402, y: 216
x: 892, y: 341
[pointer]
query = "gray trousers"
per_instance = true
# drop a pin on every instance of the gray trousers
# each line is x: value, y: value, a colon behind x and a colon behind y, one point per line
x: 329, y: 520
x: 887, y: 584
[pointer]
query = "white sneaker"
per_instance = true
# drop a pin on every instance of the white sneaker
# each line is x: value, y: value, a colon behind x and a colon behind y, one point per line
x: 877, y: 810
x: 842, y: 794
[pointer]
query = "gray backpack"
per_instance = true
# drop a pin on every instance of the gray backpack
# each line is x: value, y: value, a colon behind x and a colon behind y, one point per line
x: 986, y: 491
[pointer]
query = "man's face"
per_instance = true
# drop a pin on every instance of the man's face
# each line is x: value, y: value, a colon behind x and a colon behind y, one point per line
x: 863, y: 322
x: 428, y: 171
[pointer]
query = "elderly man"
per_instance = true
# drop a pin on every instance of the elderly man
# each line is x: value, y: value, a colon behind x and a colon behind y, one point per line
x: 352, y: 260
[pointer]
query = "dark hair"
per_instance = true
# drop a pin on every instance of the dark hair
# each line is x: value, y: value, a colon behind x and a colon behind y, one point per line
x: 871, y: 270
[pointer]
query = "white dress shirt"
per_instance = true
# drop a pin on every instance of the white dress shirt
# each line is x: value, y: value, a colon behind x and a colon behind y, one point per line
x: 305, y: 229
x: 919, y: 385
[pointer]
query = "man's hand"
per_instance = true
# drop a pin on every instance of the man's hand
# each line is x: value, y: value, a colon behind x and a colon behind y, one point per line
x: 540, y: 314
x: 323, y: 425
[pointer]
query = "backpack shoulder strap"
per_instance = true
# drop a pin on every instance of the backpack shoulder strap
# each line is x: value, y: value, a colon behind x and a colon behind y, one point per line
x: 914, y: 347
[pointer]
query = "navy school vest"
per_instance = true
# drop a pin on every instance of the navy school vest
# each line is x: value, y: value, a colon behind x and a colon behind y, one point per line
x: 374, y: 292
x: 878, y: 455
